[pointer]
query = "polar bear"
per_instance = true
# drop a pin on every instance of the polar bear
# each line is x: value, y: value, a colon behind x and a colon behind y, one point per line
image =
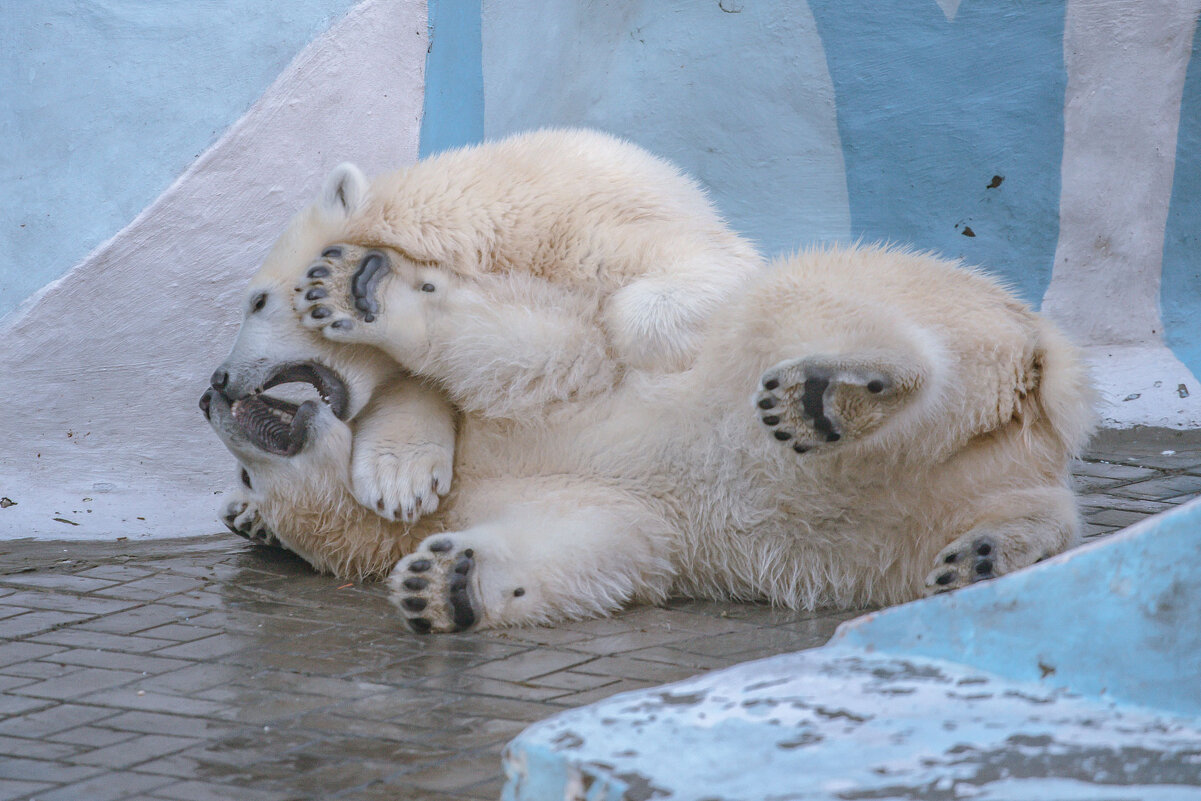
x: 401, y: 460
x: 909, y: 431
x: 623, y: 256
x: 629, y: 242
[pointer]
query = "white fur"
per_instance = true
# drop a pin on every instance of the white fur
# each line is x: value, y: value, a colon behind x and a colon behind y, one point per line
x: 608, y: 451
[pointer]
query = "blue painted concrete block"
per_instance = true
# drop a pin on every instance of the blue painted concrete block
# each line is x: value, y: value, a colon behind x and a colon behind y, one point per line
x: 1079, y: 678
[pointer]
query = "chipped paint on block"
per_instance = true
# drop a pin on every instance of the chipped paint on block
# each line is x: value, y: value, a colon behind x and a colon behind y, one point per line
x: 1076, y: 679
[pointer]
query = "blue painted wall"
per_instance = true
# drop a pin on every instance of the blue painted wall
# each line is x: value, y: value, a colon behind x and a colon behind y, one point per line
x: 106, y: 102
x: 454, y: 73
x: 931, y: 109
x: 1181, y: 281
x: 737, y: 93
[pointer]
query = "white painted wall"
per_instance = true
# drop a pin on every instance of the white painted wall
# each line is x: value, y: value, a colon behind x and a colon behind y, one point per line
x: 1126, y: 62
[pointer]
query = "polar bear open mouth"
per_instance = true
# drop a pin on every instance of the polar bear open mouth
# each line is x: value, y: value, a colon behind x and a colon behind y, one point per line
x: 279, y: 426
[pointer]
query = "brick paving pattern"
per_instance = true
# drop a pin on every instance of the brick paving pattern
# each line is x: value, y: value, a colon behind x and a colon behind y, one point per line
x: 206, y: 668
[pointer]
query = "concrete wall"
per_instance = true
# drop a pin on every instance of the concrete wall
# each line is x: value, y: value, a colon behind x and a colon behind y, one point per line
x: 1055, y: 143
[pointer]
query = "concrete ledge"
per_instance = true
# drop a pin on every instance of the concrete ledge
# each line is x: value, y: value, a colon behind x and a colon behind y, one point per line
x: 1075, y: 679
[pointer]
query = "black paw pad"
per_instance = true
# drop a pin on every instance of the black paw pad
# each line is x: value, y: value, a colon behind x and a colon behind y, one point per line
x: 414, y: 604
x: 813, y: 407
x: 319, y: 271
x: 420, y: 625
x: 363, y: 283
x: 321, y: 312
x: 460, y: 599
x: 441, y: 546
x: 983, y: 567
x: 420, y: 565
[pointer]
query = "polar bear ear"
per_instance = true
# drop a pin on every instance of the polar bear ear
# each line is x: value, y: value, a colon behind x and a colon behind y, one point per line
x: 344, y: 190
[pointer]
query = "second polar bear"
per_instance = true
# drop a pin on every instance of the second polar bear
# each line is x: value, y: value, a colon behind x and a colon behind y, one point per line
x: 630, y: 244
x: 910, y: 427
x: 619, y: 258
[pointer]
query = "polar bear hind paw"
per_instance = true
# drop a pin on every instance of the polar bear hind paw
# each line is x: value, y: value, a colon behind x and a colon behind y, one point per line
x: 433, y: 587
x: 242, y: 518
x: 338, y: 292
x: 967, y: 560
x: 814, y: 402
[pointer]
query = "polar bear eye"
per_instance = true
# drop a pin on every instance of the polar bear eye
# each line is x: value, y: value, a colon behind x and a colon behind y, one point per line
x: 260, y: 300
x: 427, y: 287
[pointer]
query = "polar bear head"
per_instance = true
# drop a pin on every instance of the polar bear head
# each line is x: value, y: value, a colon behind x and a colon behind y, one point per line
x: 271, y: 349
x: 284, y: 399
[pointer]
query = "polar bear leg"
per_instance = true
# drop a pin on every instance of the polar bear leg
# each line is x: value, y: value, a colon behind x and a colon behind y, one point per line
x: 502, y: 347
x: 816, y: 401
x: 535, y: 562
x: 402, y: 457
x: 1044, y: 522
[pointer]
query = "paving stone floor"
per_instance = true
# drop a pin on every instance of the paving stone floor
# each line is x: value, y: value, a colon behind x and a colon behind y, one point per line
x: 205, y: 668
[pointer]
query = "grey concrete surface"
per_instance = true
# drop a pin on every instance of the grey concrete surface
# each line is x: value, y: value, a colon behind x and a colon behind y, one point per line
x: 206, y: 668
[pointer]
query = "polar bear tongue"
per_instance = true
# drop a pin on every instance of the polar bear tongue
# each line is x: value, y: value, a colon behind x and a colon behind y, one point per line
x: 275, y: 426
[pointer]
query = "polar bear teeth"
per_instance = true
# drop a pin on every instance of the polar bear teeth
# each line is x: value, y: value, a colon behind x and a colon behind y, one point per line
x: 274, y: 425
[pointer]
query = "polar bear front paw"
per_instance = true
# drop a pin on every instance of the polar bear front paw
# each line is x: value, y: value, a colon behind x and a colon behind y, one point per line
x: 816, y: 401
x: 971, y: 558
x: 403, y: 486
x: 242, y: 518
x: 339, y: 292
x: 435, y: 587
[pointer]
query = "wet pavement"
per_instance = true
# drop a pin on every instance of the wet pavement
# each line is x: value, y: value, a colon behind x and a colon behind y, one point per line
x: 206, y: 668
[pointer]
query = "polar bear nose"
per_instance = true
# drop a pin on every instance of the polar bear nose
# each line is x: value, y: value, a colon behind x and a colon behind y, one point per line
x: 220, y: 379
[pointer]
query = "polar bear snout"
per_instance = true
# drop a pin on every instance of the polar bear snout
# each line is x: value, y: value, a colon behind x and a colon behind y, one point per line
x: 269, y: 424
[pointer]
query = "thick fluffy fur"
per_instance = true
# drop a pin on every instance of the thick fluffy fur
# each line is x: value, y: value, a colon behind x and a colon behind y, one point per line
x: 845, y: 427
x: 955, y: 410
x: 591, y: 257
x: 575, y: 226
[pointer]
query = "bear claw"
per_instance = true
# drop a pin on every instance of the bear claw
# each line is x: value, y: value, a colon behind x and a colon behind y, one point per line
x: 242, y: 518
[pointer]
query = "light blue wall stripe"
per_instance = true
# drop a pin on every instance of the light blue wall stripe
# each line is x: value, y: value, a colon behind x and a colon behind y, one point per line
x: 930, y: 109
x: 737, y: 94
x: 454, y: 77
x: 1180, y: 287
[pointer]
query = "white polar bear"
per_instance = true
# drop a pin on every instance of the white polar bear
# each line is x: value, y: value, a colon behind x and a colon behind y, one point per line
x: 401, y: 460
x: 631, y: 243
x: 618, y: 257
x: 911, y: 426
